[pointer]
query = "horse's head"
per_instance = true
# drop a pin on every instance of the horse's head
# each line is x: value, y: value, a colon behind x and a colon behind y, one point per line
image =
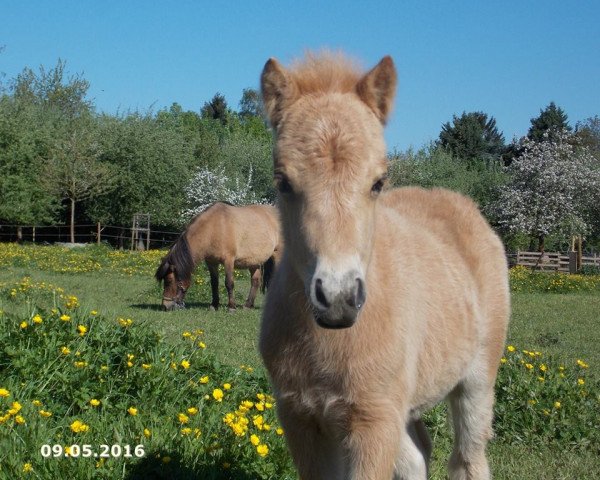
x: 329, y: 166
x: 174, y: 288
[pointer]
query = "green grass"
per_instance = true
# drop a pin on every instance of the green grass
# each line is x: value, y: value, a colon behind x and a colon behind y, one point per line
x: 562, y: 326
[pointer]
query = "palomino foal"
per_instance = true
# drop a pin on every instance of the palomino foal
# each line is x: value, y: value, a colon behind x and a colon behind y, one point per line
x: 385, y: 302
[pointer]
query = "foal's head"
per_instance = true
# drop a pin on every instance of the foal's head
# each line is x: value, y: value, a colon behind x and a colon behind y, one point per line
x: 329, y: 166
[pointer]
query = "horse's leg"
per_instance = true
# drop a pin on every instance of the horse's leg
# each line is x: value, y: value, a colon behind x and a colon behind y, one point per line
x: 316, y: 456
x: 254, y: 284
x: 396, y: 456
x: 420, y: 437
x: 229, y: 284
x: 471, y: 406
x: 213, y: 269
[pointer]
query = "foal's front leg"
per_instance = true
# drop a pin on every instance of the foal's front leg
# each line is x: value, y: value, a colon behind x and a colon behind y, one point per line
x: 316, y: 456
x: 381, y: 448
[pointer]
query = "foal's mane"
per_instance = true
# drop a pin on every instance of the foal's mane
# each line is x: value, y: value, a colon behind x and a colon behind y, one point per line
x: 325, y: 71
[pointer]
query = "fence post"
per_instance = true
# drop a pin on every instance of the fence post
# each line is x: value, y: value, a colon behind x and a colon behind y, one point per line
x: 572, y: 262
x: 98, y: 235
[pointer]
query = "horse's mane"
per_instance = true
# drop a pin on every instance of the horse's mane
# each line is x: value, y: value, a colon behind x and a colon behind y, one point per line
x: 325, y: 71
x: 180, y: 257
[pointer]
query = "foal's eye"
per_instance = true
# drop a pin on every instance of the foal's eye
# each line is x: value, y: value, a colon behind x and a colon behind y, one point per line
x: 378, y: 186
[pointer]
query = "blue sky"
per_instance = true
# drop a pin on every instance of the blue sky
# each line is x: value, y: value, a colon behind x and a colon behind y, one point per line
x: 508, y: 59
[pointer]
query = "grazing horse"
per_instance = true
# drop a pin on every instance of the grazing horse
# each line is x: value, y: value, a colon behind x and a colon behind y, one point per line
x: 385, y: 302
x: 235, y: 236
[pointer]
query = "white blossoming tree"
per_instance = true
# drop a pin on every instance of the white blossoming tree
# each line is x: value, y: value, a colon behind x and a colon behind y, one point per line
x: 208, y: 187
x: 553, y: 187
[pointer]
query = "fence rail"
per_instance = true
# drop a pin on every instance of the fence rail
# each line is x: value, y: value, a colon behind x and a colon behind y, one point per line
x: 115, y: 235
x: 553, y: 261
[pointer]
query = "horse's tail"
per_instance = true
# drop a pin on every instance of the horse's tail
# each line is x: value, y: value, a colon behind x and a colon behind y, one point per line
x: 180, y: 258
x: 268, y: 268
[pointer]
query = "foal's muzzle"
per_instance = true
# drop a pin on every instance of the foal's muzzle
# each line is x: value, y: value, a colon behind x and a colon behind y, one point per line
x: 337, y: 302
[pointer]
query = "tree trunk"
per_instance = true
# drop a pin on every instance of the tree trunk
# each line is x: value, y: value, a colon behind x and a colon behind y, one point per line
x: 19, y: 234
x: 541, y: 245
x: 72, y: 221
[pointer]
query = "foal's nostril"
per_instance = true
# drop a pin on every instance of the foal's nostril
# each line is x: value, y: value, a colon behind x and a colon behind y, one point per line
x: 357, y: 298
x: 320, y: 294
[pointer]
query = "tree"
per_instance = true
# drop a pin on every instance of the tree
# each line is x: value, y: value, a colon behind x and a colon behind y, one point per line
x: 551, y: 121
x: 73, y: 172
x: 216, y: 109
x: 588, y: 133
x: 472, y: 137
x: 251, y: 103
x: 552, y: 185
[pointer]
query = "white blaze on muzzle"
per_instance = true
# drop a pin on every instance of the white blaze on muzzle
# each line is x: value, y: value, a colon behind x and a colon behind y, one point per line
x: 337, y: 291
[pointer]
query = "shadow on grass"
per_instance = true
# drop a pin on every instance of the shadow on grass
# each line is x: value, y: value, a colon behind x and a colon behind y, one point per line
x: 154, y: 467
x: 191, y: 306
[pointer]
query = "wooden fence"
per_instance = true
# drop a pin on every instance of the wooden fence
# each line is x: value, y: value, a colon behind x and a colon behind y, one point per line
x: 553, y: 261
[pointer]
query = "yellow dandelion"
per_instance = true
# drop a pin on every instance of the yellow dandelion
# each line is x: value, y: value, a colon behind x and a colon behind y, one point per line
x: 580, y: 381
x: 79, y: 427
x: 254, y: 440
x: 192, y: 410
x: 202, y: 344
x: 45, y: 413
x: 543, y: 367
x: 36, y: 403
x: 82, y: 330
x: 227, y: 386
x: 65, y: 318
x: 23, y: 325
x: 511, y: 348
x: 93, y: 313
x: 27, y: 467
x: 4, y: 392
x: 186, y: 431
x: 528, y: 366
x: 185, y: 364
x: 203, y: 379
x: 186, y: 334
x: 94, y: 402
x: 19, y: 420
x: 218, y: 394
x: 147, y: 433
x: 65, y: 350
x: 37, y: 319
x: 279, y: 431
x: 146, y: 366
x: 132, y: 411
x: 557, y: 405
x: 262, y: 450
x: 183, y: 418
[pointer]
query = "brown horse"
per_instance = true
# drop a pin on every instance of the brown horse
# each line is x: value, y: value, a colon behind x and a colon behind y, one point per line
x: 385, y: 302
x: 235, y: 236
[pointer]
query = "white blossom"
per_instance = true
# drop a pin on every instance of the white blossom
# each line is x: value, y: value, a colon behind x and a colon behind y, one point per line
x: 551, y: 188
x: 208, y: 187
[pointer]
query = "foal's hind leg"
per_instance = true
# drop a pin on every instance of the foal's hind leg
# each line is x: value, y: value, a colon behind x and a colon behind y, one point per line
x: 471, y: 405
x: 254, y: 284
x: 213, y: 269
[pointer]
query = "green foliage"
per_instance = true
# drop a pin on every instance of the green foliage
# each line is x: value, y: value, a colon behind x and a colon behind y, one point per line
x: 551, y: 119
x: 472, y: 138
x: 523, y: 279
x: 433, y: 166
x: 540, y: 401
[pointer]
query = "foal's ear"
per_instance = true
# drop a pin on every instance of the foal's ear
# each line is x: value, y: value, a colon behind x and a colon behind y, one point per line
x: 378, y: 88
x: 278, y: 91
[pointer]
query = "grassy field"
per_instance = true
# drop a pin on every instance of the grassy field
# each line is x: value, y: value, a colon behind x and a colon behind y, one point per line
x: 561, y: 328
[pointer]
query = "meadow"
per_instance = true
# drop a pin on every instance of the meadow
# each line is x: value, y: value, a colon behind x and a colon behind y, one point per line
x: 97, y: 382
